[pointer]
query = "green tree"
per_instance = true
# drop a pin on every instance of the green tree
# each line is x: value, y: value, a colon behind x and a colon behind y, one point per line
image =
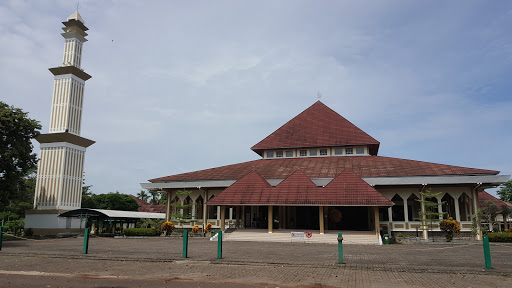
x: 143, y: 195
x: 87, y: 197
x: 178, y: 206
x: 490, y: 210
x: 431, y: 215
x: 506, y: 211
x: 155, y: 197
x: 16, y: 157
x: 115, y: 201
x: 505, y: 191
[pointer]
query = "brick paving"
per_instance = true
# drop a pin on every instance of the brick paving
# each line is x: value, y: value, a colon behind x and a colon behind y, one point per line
x: 259, y: 264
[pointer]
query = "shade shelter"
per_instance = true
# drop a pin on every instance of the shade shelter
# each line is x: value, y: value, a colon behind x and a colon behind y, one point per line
x: 110, y: 219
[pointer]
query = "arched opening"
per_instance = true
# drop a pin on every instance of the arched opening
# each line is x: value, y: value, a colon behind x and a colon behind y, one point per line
x: 174, y: 203
x: 413, y: 208
x: 187, y: 208
x: 199, y: 208
x: 465, y: 207
x: 398, y: 209
x: 212, y: 210
x: 448, y: 206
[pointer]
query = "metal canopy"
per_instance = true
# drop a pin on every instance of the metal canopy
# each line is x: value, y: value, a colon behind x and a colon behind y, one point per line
x: 113, y: 214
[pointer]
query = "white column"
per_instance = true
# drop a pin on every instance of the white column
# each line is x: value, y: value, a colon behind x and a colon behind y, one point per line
x: 218, y: 212
x: 205, y: 210
x: 439, y: 208
x: 474, y: 198
x: 230, y: 213
x: 406, y: 211
x: 168, y: 211
x: 194, y: 216
x: 457, y: 212
x: 423, y: 223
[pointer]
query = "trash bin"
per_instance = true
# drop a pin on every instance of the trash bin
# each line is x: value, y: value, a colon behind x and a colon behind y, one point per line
x: 386, y: 239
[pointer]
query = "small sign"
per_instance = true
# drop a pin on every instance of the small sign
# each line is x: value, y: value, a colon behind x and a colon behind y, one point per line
x: 297, y: 235
x: 309, y: 234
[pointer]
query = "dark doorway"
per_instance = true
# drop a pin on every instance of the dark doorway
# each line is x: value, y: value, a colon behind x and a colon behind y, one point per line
x: 307, y: 217
x: 348, y: 218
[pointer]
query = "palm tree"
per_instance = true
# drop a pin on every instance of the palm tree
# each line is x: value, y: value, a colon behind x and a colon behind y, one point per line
x: 143, y: 195
x: 155, y: 197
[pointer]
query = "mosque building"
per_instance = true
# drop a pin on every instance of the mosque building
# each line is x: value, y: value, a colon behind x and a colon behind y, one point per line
x: 320, y: 172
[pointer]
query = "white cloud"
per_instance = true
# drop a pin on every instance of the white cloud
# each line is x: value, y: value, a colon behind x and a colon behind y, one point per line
x: 181, y: 86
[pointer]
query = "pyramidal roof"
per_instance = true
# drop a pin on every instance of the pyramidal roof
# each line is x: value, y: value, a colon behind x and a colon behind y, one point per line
x: 317, y: 126
x: 76, y: 16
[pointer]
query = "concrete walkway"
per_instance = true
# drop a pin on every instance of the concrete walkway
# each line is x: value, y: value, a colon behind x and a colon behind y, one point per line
x: 284, y: 236
x: 158, y: 262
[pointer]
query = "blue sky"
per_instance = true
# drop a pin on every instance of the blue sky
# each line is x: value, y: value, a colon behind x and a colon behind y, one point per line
x: 180, y: 86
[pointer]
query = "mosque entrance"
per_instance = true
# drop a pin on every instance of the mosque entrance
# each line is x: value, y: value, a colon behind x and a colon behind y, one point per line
x: 347, y: 218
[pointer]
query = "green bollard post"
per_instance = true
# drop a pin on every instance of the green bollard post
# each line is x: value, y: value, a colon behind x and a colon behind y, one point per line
x: 219, y: 250
x: 340, y: 248
x: 86, y: 241
x: 487, y: 253
x: 185, y: 243
x: 0, y: 238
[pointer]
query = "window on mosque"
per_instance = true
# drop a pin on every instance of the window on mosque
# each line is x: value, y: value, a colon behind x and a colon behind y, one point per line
x: 398, y: 209
x: 303, y: 153
x: 323, y: 152
x: 279, y: 154
x: 270, y: 154
x: 289, y: 153
x: 313, y: 152
x: 359, y: 150
x: 338, y: 151
x: 349, y: 151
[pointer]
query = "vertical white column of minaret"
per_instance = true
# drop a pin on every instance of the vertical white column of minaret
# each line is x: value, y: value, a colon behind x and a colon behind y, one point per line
x: 60, y: 171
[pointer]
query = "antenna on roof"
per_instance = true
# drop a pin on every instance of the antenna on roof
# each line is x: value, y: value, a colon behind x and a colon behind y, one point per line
x: 77, y: 4
x: 318, y: 95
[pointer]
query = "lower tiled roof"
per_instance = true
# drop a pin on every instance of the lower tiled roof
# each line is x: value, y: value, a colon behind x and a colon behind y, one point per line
x: 484, y: 196
x: 327, y: 167
x: 347, y: 189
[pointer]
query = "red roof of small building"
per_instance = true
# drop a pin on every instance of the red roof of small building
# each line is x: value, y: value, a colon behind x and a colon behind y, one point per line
x: 327, y: 167
x: 345, y: 190
x: 146, y: 207
x: 484, y: 196
x: 317, y: 126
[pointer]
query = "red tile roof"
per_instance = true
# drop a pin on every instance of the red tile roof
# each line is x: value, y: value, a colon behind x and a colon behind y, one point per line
x: 327, y: 167
x: 345, y: 190
x: 484, y: 196
x: 146, y: 207
x: 317, y: 126
x: 351, y: 190
x: 244, y: 191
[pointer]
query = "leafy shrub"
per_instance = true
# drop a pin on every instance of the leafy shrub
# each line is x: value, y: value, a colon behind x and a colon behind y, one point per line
x: 208, y: 227
x: 167, y: 227
x: 500, y: 237
x: 141, y: 232
x: 450, y: 227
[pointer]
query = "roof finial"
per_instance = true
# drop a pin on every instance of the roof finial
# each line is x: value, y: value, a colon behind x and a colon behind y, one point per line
x: 77, y: 4
x: 318, y: 95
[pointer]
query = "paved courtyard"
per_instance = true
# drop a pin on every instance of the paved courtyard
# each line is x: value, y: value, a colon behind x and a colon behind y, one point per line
x: 147, y: 262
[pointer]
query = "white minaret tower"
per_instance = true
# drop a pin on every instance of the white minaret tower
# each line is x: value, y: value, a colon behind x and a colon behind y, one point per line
x: 60, y: 169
